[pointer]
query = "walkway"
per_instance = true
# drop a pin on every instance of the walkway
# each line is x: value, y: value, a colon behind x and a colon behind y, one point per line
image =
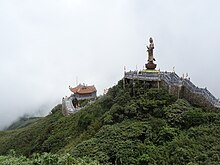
x: 171, y: 78
x: 67, y: 106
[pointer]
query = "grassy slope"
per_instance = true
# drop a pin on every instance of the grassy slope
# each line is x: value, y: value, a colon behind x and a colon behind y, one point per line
x: 131, y: 126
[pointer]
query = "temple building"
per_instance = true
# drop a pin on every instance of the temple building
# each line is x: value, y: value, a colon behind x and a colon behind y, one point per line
x: 82, y: 92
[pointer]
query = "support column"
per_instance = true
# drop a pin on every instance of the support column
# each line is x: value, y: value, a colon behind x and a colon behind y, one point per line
x: 179, y: 91
x: 169, y: 90
x: 124, y: 82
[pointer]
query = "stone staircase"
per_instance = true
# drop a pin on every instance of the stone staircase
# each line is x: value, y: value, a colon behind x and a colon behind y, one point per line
x: 67, y: 106
x: 172, y: 79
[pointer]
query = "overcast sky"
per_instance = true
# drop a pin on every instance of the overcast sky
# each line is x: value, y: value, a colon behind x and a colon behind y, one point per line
x: 46, y: 44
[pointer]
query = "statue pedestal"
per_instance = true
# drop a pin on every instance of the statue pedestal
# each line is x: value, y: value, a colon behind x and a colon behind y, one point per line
x: 150, y: 65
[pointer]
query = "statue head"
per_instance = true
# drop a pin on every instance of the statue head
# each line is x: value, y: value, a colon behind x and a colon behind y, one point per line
x: 151, y: 40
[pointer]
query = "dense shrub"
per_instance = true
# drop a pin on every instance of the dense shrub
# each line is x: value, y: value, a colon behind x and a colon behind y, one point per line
x: 131, y: 125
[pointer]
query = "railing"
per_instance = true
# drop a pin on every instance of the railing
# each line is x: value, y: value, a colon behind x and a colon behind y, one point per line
x: 165, y: 78
x: 172, y: 78
x: 203, y: 91
x: 142, y: 76
x: 191, y: 86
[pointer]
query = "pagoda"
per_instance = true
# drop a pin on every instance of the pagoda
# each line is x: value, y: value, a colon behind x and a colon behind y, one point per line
x: 82, y: 92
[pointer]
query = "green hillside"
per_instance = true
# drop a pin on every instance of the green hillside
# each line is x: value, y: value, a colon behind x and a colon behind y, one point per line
x: 23, y: 122
x: 135, y: 125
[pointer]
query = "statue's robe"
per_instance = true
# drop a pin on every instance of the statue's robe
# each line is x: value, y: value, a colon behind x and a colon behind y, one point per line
x: 150, y: 52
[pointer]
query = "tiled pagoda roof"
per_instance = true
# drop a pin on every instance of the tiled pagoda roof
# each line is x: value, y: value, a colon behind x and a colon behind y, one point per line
x: 83, y: 89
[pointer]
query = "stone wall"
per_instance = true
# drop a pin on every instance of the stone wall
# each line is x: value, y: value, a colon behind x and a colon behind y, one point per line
x: 195, y: 98
x: 172, y: 89
x: 185, y: 93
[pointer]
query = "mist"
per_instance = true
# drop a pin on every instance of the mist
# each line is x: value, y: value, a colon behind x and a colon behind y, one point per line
x: 47, y: 45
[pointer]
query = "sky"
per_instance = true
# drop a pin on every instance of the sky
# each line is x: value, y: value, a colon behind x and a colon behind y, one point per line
x: 47, y: 45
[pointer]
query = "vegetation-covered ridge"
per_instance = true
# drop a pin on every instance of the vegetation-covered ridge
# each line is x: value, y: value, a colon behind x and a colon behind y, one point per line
x: 131, y: 125
x: 22, y: 122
